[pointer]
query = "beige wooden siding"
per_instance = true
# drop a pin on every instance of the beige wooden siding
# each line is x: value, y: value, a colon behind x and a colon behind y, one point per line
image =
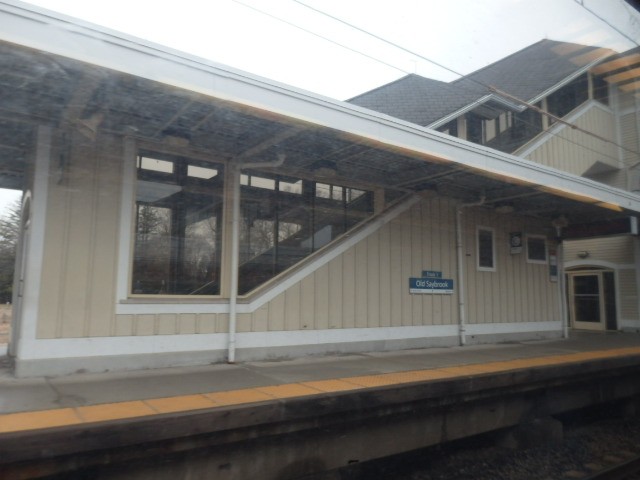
x: 626, y: 100
x: 574, y: 151
x: 367, y: 286
x: 616, y: 250
x: 517, y: 291
x: 79, y: 268
x: 631, y: 143
x: 628, y: 294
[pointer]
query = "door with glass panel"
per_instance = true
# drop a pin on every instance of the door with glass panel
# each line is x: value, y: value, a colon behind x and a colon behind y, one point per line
x: 587, y: 301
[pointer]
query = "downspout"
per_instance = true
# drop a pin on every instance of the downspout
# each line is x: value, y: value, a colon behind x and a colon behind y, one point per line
x: 559, y: 223
x: 462, y: 321
x: 562, y: 285
x: 235, y: 248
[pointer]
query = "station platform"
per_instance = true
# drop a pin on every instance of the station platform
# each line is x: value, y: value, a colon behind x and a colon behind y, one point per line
x: 291, y: 418
x: 33, y: 403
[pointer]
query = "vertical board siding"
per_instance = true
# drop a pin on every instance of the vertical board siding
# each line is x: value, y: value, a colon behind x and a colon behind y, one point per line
x: 395, y: 271
x: 322, y: 298
x: 367, y: 286
x: 187, y: 323
x: 335, y: 293
x: 574, y: 151
x: 631, y: 144
x: 292, y: 310
x: 364, y: 287
x: 628, y: 291
x: 206, y: 323
x: 517, y: 291
x: 107, y: 207
x: 384, y: 276
x: 82, y: 227
x: 361, y: 284
x: 372, y: 280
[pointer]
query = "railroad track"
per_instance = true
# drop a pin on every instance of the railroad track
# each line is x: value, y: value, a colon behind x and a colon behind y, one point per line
x: 628, y: 470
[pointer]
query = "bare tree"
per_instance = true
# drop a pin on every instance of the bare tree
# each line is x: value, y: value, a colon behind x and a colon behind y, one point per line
x: 9, y: 233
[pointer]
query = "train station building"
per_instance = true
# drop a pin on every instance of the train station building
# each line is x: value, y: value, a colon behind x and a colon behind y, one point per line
x: 180, y: 212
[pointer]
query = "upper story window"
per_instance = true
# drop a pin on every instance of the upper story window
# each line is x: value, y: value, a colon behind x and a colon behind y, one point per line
x: 450, y: 128
x: 486, y: 249
x: 567, y: 98
x: 178, y: 215
x: 600, y: 90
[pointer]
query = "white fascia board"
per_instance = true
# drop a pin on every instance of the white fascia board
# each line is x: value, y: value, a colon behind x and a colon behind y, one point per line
x: 37, y: 28
x: 568, y: 79
x: 491, y: 97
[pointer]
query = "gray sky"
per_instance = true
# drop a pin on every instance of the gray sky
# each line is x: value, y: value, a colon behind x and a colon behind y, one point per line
x: 463, y: 35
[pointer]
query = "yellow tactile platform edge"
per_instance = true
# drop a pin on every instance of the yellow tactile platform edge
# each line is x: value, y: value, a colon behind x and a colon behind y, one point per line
x: 60, y: 417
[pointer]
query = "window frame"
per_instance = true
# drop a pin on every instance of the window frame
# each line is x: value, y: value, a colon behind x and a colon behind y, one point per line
x: 185, y: 159
x: 531, y: 236
x: 492, y: 231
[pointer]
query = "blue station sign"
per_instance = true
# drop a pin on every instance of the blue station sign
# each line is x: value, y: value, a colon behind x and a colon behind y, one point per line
x: 431, y: 285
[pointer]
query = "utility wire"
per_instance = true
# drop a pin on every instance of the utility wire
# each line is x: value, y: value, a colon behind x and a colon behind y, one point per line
x: 461, y: 87
x: 319, y: 36
x: 632, y: 40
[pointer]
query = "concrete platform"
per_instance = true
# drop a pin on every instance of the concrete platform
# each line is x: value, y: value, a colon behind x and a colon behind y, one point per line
x: 30, y: 394
x: 287, y: 419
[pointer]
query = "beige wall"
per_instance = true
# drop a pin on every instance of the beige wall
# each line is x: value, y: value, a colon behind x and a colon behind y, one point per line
x: 616, y: 250
x: 365, y: 286
x: 517, y: 291
x: 368, y: 285
x: 628, y: 294
x: 79, y: 268
x: 574, y: 151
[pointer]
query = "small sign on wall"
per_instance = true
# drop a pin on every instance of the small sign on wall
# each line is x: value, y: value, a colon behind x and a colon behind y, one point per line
x: 431, y: 274
x: 515, y: 242
x: 431, y: 285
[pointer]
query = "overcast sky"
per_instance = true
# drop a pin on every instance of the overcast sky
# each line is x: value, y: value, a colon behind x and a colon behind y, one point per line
x: 271, y: 37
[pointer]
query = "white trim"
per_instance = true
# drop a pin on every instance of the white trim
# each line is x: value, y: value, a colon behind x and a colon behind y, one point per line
x: 493, y: 248
x: 546, y: 248
x: 514, y: 327
x: 127, y: 203
x: 136, y: 345
x: 34, y: 257
x: 599, y: 264
x: 467, y: 108
x: 630, y: 324
x: 349, y: 240
x: 569, y: 79
x: 56, y: 34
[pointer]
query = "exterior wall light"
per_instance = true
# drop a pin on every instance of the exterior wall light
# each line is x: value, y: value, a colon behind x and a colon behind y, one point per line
x: 583, y: 254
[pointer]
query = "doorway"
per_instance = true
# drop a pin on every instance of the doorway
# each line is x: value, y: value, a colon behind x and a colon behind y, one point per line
x: 592, y: 302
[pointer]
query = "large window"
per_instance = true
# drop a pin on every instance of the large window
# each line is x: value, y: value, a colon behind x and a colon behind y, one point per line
x: 285, y: 219
x: 178, y: 226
